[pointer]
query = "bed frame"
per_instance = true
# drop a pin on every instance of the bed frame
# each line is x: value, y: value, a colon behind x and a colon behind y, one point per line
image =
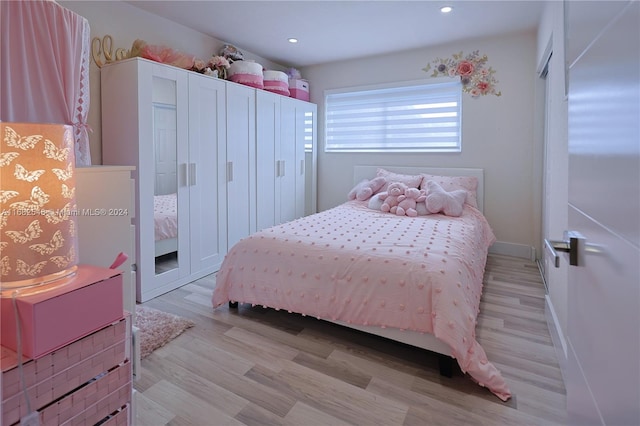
x: 166, y: 246
x: 420, y: 340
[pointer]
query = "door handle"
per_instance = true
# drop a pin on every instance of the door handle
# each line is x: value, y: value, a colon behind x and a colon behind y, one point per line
x: 230, y: 171
x: 184, y: 176
x: 192, y: 174
x: 573, y: 243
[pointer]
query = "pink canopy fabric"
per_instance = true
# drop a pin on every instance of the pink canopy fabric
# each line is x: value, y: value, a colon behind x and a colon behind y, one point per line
x: 44, y: 68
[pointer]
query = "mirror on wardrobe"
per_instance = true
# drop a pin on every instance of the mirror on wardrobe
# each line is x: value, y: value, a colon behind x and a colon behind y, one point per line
x: 166, y: 175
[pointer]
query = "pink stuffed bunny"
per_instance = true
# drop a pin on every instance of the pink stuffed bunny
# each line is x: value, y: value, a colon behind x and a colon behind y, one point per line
x: 408, y: 202
x: 390, y: 200
x: 365, y: 189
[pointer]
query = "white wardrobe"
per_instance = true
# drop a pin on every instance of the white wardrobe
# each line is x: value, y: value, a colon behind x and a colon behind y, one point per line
x: 281, y: 126
x: 231, y: 156
x: 170, y: 124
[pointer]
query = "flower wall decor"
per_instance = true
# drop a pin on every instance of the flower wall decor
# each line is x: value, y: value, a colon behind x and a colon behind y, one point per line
x: 477, y: 79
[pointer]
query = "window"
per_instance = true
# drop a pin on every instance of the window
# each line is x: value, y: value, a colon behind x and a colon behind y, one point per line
x: 409, y: 117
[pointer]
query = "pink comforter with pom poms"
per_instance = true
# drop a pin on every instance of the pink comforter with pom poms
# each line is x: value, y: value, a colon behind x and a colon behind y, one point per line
x: 366, y: 267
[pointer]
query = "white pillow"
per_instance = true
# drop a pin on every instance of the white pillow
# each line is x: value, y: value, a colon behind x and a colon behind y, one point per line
x: 450, y: 203
x: 452, y: 183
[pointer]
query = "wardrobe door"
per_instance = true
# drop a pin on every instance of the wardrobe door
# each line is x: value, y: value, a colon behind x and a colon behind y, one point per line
x: 170, y: 190
x: 241, y: 161
x: 288, y: 175
x: 268, y: 164
x: 298, y: 130
x: 145, y: 125
x: 206, y: 173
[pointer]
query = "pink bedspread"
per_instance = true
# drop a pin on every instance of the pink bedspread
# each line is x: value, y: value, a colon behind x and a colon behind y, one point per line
x: 165, y: 215
x: 366, y: 267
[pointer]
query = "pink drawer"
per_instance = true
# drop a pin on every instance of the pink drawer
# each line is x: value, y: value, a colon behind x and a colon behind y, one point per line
x: 56, y: 374
x: 57, y: 317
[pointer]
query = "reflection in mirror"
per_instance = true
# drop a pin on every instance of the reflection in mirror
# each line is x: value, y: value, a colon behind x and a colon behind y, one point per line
x: 165, y: 205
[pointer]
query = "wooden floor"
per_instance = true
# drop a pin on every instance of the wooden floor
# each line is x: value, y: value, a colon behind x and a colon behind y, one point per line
x: 261, y: 367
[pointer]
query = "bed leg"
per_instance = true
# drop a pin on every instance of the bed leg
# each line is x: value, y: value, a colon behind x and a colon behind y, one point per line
x: 445, y: 363
x: 233, y: 305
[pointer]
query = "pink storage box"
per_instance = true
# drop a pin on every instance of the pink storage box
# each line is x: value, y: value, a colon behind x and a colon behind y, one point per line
x: 92, y: 299
x: 63, y: 383
x: 299, y: 89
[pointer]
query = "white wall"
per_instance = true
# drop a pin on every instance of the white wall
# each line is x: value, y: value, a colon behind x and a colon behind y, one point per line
x: 497, y: 132
x: 126, y: 23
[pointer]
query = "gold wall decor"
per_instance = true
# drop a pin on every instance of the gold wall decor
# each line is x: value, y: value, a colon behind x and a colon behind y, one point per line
x: 103, y: 52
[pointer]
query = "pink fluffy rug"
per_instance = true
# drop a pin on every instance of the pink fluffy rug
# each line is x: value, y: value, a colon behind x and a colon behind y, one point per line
x: 158, y: 328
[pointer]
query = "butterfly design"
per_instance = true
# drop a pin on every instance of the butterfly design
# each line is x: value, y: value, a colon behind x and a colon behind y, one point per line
x: 3, y: 221
x: 32, y: 232
x: 72, y: 228
x: 7, y: 195
x: 37, y: 199
x: 23, y: 174
x: 13, y: 139
x: 5, y: 267
x: 59, y: 215
x: 7, y: 157
x: 64, y: 174
x: 53, y: 152
x: 3, y: 245
x: 68, y: 192
x: 64, y: 261
x: 56, y: 242
x: 22, y: 268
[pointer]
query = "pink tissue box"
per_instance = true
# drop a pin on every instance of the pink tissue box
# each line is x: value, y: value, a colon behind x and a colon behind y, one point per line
x: 299, y: 89
x: 52, y: 319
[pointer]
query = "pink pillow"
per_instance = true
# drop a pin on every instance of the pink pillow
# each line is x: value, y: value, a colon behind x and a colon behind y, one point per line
x: 441, y: 201
x: 452, y: 183
x: 412, y: 181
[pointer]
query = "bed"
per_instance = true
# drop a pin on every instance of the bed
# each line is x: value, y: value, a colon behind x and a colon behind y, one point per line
x: 417, y: 280
x: 165, y: 221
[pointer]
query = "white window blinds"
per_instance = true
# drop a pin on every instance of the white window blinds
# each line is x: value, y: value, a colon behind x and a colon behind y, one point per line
x: 413, y: 117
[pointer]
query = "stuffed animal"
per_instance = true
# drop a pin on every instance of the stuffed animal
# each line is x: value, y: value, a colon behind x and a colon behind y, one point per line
x: 365, y: 189
x: 390, y: 201
x: 407, y: 203
x: 440, y: 201
x: 376, y: 201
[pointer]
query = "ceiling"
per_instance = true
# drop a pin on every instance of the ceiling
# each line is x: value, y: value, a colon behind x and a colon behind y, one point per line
x: 330, y: 31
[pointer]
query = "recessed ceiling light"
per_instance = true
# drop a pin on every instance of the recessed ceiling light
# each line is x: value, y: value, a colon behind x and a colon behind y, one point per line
x: 292, y: 40
x: 446, y: 9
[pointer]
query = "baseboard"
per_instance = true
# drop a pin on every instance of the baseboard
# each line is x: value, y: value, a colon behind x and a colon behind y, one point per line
x: 513, y: 249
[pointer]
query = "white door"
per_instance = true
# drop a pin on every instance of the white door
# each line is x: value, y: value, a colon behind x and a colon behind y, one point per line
x: 206, y: 173
x: 267, y: 159
x: 603, y: 323
x: 241, y: 162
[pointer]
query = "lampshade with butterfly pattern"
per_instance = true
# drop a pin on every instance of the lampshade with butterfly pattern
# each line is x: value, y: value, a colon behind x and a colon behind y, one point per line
x: 38, y: 212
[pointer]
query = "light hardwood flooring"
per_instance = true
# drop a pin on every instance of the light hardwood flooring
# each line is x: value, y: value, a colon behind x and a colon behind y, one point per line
x: 257, y: 366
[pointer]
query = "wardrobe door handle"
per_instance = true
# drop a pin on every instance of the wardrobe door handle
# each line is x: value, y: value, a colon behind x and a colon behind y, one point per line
x: 301, y: 167
x: 183, y: 175
x: 229, y: 171
x: 282, y: 168
x: 192, y: 174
